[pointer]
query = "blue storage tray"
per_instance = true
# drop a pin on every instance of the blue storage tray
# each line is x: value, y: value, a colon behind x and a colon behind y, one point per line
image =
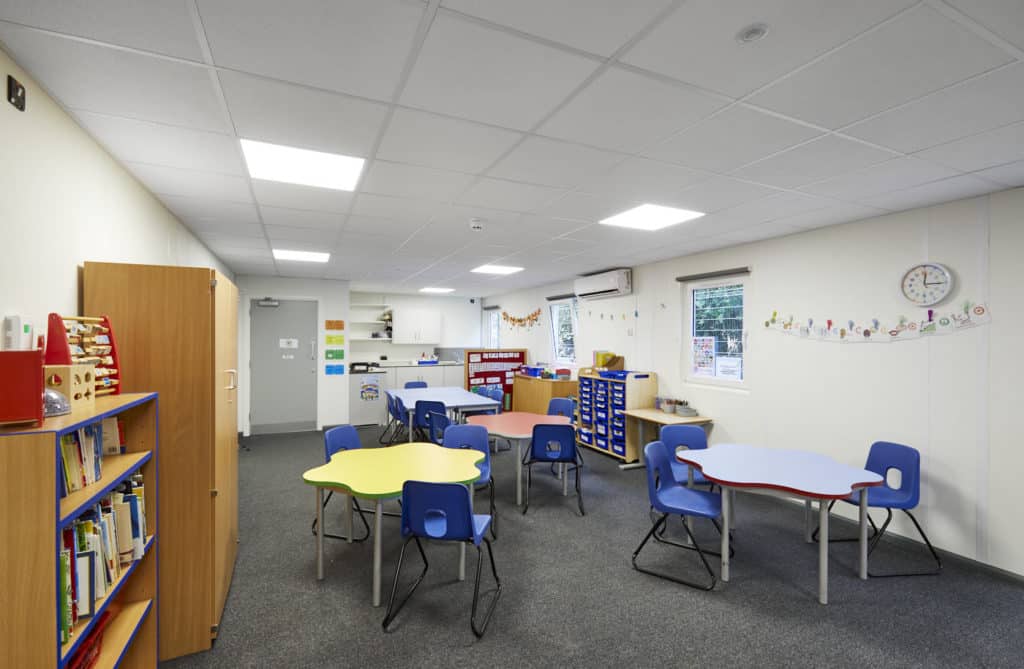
x: 618, y: 449
x: 601, y: 443
x: 618, y: 434
x: 586, y: 436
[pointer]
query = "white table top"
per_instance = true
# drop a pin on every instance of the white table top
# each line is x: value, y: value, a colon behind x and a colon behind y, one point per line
x: 453, y: 397
x: 799, y: 472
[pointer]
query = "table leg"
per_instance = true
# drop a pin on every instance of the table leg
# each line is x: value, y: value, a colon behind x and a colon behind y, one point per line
x: 725, y: 534
x: 519, y: 472
x: 863, y: 540
x: 823, y: 551
x: 639, y: 464
x: 732, y: 508
x: 689, y: 519
x: 378, y: 514
x: 808, y: 523
x: 348, y: 516
x: 320, y: 534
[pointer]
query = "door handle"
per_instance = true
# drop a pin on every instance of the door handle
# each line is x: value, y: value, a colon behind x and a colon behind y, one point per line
x: 233, y: 383
x: 312, y: 350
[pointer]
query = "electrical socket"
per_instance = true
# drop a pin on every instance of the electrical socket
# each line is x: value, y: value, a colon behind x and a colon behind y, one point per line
x: 15, y: 93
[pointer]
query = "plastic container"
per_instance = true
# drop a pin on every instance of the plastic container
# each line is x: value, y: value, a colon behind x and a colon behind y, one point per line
x: 531, y: 371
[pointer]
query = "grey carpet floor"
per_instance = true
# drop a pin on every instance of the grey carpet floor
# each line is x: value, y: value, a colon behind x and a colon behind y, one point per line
x: 571, y: 597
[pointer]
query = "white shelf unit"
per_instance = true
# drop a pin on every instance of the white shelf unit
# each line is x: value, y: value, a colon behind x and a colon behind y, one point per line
x: 365, y: 319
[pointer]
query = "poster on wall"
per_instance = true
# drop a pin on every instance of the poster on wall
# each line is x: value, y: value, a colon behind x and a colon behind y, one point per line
x: 369, y: 388
x: 703, y: 356
x: 493, y: 371
x: 729, y: 367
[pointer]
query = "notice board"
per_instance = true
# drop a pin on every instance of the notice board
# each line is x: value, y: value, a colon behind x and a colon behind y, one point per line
x: 491, y: 369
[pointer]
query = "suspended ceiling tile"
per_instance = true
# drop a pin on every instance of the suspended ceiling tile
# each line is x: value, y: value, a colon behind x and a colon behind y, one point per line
x: 554, y: 163
x: 342, y: 45
x: 293, y: 196
x: 854, y: 82
x: 397, y: 179
x: 697, y: 43
x: 816, y: 160
x: 734, y: 137
x: 93, y: 78
x: 473, y: 72
x: 510, y: 195
x: 626, y: 111
x: 191, y: 183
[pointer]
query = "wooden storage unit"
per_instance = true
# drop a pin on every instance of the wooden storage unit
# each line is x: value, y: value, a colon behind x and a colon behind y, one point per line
x: 33, y: 516
x: 177, y: 334
x: 603, y: 402
x: 532, y: 394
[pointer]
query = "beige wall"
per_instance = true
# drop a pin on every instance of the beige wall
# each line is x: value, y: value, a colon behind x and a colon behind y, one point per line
x: 63, y: 201
x: 952, y: 397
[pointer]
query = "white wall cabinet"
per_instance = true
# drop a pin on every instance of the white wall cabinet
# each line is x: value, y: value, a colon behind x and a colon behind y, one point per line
x: 415, y: 326
x: 454, y: 375
x: 434, y: 375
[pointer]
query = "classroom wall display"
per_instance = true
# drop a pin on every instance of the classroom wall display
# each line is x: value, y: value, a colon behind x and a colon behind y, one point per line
x: 493, y: 371
x: 528, y: 321
x: 970, y: 314
x: 703, y: 356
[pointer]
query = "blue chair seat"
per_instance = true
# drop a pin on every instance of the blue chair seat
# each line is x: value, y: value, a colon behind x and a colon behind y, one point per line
x: 481, y: 521
x: 884, y: 496
x: 686, y: 502
x: 681, y: 473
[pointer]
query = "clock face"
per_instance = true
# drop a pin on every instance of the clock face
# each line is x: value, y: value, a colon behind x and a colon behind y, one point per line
x: 927, y: 284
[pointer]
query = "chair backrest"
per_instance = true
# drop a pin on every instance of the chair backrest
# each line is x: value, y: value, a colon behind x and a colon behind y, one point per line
x: 341, y: 438
x: 676, y: 437
x: 886, y: 455
x: 497, y: 393
x: 415, y: 384
x: 390, y: 404
x: 553, y: 443
x: 424, y: 407
x: 436, y: 511
x: 659, y: 469
x: 561, y: 406
x: 401, y: 413
x: 437, y: 423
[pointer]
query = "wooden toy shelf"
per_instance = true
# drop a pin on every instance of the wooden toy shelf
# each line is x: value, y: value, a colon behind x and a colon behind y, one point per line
x: 34, y: 516
x: 603, y: 401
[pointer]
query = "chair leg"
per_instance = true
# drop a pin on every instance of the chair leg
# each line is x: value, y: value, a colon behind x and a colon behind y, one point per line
x: 878, y: 537
x: 831, y: 540
x: 693, y: 584
x: 392, y: 609
x: 386, y: 432
x: 579, y: 489
x: 479, y: 631
x: 494, y: 514
x: 660, y: 537
x: 362, y: 517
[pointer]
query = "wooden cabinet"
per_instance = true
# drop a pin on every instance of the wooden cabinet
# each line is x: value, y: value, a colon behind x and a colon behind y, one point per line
x: 415, y: 326
x: 177, y: 335
x: 603, y: 403
x: 532, y: 394
x: 33, y: 517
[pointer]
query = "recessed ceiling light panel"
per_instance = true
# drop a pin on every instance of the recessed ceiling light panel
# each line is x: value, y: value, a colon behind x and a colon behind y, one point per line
x: 275, y: 162
x: 496, y: 269
x: 437, y: 290
x: 651, y: 217
x: 301, y: 256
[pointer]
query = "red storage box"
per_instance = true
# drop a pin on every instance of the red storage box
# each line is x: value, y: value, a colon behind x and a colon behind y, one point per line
x: 21, y: 380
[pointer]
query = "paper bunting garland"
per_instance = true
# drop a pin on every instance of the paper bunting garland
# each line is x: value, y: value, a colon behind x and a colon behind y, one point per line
x: 875, y: 331
x: 527, y: 321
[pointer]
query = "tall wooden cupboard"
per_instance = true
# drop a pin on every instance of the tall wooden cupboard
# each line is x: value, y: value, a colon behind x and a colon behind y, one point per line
x: 177, y: 334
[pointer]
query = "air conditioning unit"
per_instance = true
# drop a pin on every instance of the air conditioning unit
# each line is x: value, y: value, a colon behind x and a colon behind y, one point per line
x: 606, y: 284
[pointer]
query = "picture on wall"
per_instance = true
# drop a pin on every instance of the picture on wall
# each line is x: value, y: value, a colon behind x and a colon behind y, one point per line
x: 703, y: 356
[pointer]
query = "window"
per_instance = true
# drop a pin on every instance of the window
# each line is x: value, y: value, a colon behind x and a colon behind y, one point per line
x: 563, y: 331
x: 716, y: 337
x: 492, y: 329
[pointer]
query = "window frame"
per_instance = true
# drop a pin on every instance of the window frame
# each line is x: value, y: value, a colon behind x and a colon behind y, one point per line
x: 574, y: 315
x: 688, y: 375
x: 487, y: 330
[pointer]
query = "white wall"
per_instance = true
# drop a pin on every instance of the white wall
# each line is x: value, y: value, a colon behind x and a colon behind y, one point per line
x: 64, y: 201
x: 537, y: 340
x: 952, y: 397
x: 460, y: 325
x: 332, y: 298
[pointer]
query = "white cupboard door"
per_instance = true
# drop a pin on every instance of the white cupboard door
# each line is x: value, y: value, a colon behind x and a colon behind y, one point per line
x: 429, y: 327
x: 404, y: 326
x: 454, y: 375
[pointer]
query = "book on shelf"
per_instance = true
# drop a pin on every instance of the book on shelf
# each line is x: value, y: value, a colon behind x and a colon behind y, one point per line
x: 81, y: 458
x: 88, y: 652
x: 65, y: 596
x: 112, y: 430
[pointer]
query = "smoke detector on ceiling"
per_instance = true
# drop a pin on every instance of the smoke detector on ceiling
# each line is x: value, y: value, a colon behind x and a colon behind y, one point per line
x: 752, y: 33
x: 476, y: 224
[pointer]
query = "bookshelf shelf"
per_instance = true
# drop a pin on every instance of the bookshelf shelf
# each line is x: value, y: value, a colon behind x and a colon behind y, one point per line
x: 115, y: 469
x: 85, y: 625
x: 31, y: 478
x: 118, y: 636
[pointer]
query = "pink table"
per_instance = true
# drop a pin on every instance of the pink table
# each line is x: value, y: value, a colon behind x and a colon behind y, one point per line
x: 811, y: 476
x: 518, y: 426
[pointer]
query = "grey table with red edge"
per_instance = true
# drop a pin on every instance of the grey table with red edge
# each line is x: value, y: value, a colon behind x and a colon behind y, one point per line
x: 810, y: 476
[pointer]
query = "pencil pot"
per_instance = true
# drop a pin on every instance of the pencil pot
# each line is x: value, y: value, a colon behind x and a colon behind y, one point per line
x: 21, y: 378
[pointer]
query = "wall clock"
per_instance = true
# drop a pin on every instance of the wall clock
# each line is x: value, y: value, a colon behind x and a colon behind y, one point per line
x: 927, y: 284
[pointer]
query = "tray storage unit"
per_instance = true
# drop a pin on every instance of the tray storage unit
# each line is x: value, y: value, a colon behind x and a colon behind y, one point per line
x: 604, y: 396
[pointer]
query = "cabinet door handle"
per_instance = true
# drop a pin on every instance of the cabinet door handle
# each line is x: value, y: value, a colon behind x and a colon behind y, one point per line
x: 233, y: 383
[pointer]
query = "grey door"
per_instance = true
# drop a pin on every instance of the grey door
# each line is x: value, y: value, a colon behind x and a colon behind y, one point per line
x: 283, y: 355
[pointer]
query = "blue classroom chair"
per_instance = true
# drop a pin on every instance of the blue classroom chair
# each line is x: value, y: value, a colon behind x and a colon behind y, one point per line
x: 475, y: 436
x: 415, y: 384
x: 342, y: 438
x: 553, y: 444
x: 442, y: 512
x: 669, y: 497
x: 692, y: 437
x: 421, y: 413
x: 437, y: 423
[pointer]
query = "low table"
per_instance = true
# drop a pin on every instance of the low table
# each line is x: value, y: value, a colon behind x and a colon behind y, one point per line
x: 379, y: 474
x: 454, y: 399
x: 518, y: 426
x: 636, y: 424
x: 810, y: 476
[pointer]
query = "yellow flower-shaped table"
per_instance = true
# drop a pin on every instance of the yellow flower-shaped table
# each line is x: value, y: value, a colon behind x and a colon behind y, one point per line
x: 379, y: 474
